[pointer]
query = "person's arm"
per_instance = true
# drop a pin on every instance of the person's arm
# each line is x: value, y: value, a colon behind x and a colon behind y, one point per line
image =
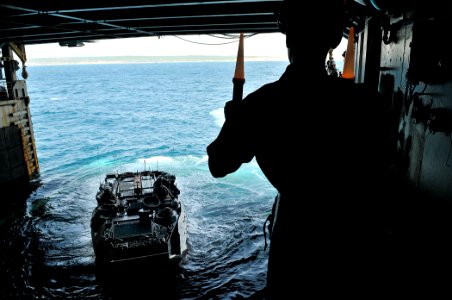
x: 232, y: 146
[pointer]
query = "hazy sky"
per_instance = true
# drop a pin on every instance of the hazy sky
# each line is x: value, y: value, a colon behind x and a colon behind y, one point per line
x: 266, y: 45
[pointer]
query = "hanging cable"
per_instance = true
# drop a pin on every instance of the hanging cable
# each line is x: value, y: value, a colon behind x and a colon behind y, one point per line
x: 235, y: 39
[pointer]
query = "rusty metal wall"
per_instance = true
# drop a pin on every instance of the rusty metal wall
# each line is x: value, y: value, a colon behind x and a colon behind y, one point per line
x: 415, y: 77
x: 18, y: 157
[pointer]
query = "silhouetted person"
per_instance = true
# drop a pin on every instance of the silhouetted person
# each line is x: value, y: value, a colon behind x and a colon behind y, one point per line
x: 321, y: 142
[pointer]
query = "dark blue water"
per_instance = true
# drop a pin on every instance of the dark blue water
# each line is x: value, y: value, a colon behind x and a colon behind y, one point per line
x: 90, y: 120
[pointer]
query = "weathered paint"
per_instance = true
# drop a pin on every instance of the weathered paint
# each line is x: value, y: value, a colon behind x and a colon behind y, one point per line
x: 423, y: 155
x: 18, y: 157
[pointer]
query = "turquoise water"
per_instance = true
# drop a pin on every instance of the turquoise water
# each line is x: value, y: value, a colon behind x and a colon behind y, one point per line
x: 90, y: 120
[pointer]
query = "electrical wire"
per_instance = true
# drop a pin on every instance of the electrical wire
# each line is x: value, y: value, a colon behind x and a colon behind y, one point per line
x: 235, y: 39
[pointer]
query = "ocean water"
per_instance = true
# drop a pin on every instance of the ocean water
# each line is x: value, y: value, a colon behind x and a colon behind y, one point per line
x: 90, y: 120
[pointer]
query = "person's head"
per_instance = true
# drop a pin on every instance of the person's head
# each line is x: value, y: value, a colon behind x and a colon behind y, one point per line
x: 312, y: 28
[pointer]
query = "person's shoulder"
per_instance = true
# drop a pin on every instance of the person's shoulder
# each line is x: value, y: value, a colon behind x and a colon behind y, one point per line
x: 273, y: 89
x: 266, y: 91
x: 352, y: 89
x: 342, y: 83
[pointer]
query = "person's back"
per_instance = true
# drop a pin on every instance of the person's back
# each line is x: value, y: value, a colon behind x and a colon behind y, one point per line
x: 327, y: 160
x: 333, y: 123
x: 320, y: 142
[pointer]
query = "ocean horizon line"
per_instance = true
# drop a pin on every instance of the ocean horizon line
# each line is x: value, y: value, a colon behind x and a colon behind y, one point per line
x: 141, y: 59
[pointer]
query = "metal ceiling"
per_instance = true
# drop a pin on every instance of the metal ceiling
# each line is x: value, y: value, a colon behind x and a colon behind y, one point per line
x: 50, y: 21
x: 69, y: 22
